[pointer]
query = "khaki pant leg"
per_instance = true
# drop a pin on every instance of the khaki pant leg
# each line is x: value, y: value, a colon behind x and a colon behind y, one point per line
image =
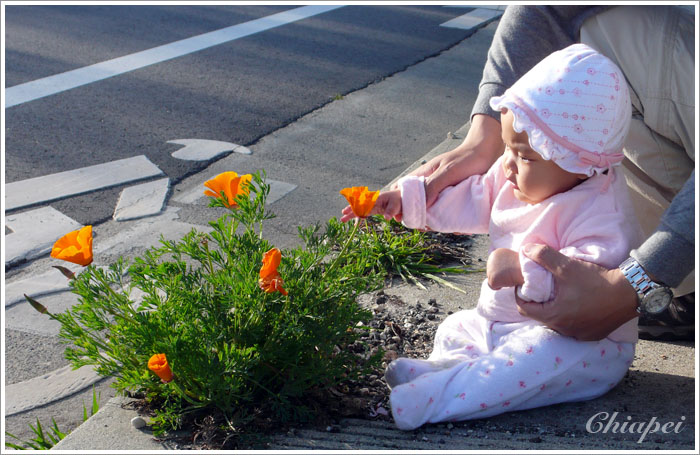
x: 655, y: 48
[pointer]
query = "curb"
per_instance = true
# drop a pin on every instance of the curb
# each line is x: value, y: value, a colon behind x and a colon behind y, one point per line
x: 110, y: 429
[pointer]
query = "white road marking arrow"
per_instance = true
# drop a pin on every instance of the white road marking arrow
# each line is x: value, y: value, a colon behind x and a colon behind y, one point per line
x: 205, y: 149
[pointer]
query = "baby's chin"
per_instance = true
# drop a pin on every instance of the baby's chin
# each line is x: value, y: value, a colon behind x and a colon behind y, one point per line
x: 522, y: 197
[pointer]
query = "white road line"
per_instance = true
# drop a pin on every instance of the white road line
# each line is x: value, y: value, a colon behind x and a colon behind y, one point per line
x: 47, y: 388
x: 22, y: 317
x: 34, y: 233
x: 472, y: 19
x: 78, y: 181
x: 139, y: 201
x: 494, y: 6
x: 50, y: 85
x: 50, y: 282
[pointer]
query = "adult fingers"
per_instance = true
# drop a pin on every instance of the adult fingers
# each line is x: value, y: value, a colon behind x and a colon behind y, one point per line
x: 424, y: 170
x: 435, y: 183
x: 544, y: 312
x: 428, y: 168
x: 533, y: 310
x: 547, y: 257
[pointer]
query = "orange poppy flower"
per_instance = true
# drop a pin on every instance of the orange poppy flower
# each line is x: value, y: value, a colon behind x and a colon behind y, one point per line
x: 271, y: 260
x: 231, y: 184
x: 361, y: 200
x: 158, y: 364
x: 75, y: 247
x: 272, y: 284
x: 270, y: 279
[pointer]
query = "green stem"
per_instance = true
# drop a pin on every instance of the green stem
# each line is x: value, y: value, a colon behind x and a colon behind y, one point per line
x: 184, y: 394
x: 67, y: 319
x: 211, y: 266
x: 345, y: 247
x: 117, y: 297
x: 233, y: 227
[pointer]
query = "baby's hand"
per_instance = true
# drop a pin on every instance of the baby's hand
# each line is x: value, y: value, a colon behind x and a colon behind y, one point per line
x: 503, y: 269
x: 387, y: 204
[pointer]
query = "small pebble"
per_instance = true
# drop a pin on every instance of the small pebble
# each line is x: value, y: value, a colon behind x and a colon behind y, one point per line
x: 138, y: 422
x: 390, y: 355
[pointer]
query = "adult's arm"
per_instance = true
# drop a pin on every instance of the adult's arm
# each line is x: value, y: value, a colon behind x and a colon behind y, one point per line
x: 668, y: 255
x: 474, y: 156
x: 525, y: 35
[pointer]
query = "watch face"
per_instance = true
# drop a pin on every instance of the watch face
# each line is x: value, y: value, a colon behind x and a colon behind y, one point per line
x: 656, y: 300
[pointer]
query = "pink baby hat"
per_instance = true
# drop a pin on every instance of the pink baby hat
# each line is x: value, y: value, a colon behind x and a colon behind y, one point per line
x: 575, y: 107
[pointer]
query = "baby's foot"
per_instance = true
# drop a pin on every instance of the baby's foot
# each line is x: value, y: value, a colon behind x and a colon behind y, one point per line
x: 404, y: 370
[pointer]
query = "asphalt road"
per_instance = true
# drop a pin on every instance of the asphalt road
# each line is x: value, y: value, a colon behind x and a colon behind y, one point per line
x: 237, y: 92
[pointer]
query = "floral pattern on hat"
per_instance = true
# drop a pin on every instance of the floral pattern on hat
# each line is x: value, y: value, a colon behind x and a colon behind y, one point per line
x: 575, y: 108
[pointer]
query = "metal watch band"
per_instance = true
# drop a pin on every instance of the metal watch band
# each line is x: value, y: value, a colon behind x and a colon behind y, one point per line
x: 652, y: 297
x: 637, y: 277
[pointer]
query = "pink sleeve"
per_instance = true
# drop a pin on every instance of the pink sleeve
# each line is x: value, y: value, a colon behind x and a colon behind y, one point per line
x: 601, y: 234
x: 538, y: 283
x: 464, y: 208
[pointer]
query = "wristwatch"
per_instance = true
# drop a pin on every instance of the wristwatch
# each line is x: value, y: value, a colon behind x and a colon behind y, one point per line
x: 653, y: 298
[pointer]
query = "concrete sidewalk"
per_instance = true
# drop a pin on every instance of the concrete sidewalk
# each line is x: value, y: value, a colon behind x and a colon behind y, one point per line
x: 660, y: 387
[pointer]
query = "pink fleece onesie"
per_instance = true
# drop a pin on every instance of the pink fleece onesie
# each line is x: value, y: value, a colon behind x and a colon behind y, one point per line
x: 575, y: 108
x: 498, y: 360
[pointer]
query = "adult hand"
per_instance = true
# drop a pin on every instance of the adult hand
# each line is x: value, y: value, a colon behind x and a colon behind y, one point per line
x: 590, y: 301
x: 480, y: 149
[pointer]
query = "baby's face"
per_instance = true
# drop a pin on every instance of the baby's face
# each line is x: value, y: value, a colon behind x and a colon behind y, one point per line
x: 534, y: 179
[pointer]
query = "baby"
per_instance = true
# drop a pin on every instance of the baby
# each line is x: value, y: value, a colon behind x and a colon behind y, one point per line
x: 563, y: 124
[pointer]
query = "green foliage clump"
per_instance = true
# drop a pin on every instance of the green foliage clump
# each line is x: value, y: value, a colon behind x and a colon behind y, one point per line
x: 233, y: 348
x: 230, y: 345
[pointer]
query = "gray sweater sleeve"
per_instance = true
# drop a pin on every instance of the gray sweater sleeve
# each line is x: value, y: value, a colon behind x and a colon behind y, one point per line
x: 669, y: 254
x: 525, y: 35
